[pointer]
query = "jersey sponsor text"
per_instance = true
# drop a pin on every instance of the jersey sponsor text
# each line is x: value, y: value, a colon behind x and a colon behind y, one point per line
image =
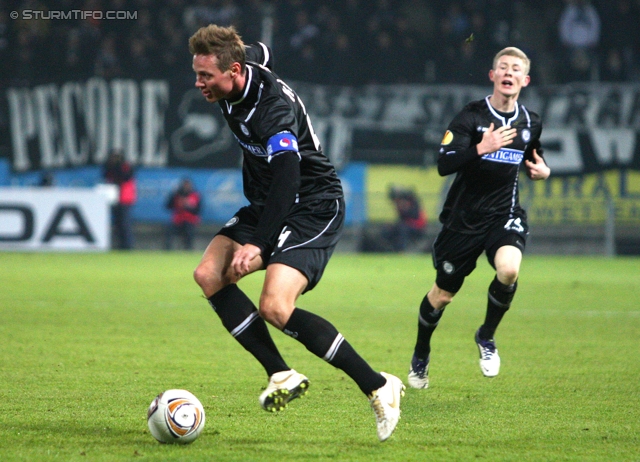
x: 505, y: 156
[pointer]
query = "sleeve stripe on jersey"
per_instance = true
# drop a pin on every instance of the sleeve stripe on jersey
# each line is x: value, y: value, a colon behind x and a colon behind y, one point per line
x: 246, y: 90
x: 257, y: 102
x: 526, y: 113
x: 265, y: 49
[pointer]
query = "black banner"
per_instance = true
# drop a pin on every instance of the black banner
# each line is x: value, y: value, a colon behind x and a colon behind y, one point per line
x: 158, y: 123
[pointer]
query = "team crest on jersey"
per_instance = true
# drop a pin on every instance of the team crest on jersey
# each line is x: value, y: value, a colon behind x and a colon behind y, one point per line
x: 447, y: 138
x: 526, y: 135
x: 231, y: 222
x: 244, y: 129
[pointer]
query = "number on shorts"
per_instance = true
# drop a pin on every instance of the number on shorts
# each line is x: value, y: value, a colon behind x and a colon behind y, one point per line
x: 283, y: 236
x: 514, y: 224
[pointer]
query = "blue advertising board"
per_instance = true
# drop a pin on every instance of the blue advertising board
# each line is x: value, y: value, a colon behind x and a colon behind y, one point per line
x: 221, y: 189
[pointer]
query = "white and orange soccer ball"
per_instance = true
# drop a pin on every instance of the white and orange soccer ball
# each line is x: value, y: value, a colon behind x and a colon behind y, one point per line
x: 176, y: 416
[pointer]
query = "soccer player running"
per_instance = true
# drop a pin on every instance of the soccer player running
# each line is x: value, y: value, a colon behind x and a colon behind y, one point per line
x: 484, y: 145
x: 290, y: 228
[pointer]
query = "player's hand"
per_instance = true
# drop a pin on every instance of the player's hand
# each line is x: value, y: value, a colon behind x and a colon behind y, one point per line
x: 537, y: 170
x: 492, y: 140
x: 242, y: 259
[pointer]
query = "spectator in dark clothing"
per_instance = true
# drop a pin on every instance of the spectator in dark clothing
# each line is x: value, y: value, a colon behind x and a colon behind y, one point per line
x: 185, y: 205
x: 119, y: 172
x: 359, y: 40
x: 620, y: 41
x: 579, y: 29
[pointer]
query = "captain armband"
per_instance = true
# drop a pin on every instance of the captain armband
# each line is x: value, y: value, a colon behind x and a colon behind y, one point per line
x: 283, y: 141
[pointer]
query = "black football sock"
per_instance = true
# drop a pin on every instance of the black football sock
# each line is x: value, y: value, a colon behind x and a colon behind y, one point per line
x: 499, y: 301
x: 322, y: 339
x: 428, y: 320
x: 240, y: 317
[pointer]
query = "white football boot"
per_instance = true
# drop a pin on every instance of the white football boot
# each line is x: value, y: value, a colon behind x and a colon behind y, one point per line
x: 419, y: 373
x: 489, y: 358
x: 283, y: 387
x: 385, y: 402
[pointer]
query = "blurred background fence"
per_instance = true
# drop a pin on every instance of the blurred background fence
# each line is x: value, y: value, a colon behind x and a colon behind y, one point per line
x: 381, y: 80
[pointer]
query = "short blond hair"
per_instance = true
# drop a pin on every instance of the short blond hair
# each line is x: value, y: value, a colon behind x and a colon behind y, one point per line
x: 222, y: 42
x: 516, y: 52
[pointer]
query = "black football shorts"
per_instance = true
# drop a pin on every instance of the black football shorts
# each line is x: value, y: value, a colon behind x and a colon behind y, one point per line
x: 455, y: 254
x: 306, y: 241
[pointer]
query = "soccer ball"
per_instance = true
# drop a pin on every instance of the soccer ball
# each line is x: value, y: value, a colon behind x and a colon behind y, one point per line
x: 175, y: 416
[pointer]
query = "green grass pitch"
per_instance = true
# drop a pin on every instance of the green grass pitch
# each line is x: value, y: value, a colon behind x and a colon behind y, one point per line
x: 88, y: 340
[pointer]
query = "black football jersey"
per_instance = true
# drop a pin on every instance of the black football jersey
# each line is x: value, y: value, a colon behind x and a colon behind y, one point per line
x: 485, y: 188
x: 269, y: 118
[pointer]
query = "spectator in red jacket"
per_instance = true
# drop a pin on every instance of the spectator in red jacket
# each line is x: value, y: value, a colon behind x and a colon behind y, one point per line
x: 119, y: 172
x: 185, y: 204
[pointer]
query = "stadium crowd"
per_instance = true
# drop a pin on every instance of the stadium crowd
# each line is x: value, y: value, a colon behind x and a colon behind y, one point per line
x: 352, y: 42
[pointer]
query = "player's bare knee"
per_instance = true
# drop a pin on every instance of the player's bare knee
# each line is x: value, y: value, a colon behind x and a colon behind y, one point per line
x: 273, y: 310
x: 507, y: 275
x: 439, y: 298
x: 203, y: 276
x: 210, y: 280
x: 272, y: 315
x: 268, y: 306
x: 199, y: 276
x: 443, y: 300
